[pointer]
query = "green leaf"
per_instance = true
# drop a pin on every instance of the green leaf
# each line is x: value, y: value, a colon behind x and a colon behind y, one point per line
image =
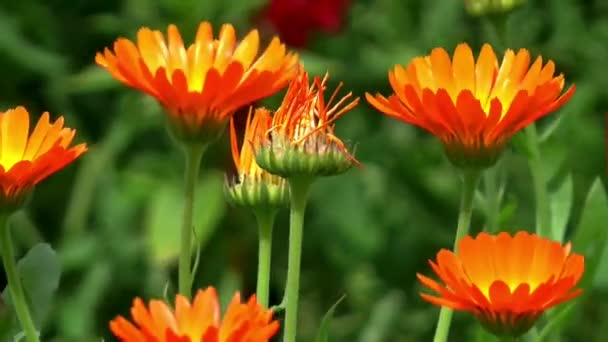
x: 561, y: 204
x: 591, y: 233
x: 39, y: 270
x: 323, y: 333
x: 384, y: 318
x: 550, y: 129
x: 165, y: 216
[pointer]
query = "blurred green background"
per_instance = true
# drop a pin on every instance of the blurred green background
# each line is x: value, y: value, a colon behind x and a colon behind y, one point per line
x: 114, y: 215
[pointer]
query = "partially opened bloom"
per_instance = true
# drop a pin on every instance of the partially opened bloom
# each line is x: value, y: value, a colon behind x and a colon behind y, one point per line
x: 27, y: 159
x: 199, y: 321
x: 301, y: 140
x: 506, y: 281
x: 473, y: 106
x: 253, y: 186
x: 201, y: 85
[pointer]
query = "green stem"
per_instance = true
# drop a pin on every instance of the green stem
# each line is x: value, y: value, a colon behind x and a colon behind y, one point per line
x: 541, y: 197
x: 470, y: 180
x: 492, y: 198
x: 194, y: 155
x: 14, y: 282
x: 299, y: 188
x: 507, y: 339
x: 265, y: 223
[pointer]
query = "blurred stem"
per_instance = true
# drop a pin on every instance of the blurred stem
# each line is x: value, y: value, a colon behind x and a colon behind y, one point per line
x: 194, y: 155
x: 265, y: 224
x: 299, y: 188
x: 492, y: 197
x: 470, y: 178
x: 508, y: 339
x: 14, y: 282
x: 95, y: 163
x: 543, y: 214
x: 497, y: 30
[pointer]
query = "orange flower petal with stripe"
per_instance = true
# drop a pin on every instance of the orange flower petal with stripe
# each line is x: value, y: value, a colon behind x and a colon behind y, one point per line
x: 203, y: 84
x: 506, y: 281
x: 27, y: 158
x: 474, y: 106
x: 196, y: 321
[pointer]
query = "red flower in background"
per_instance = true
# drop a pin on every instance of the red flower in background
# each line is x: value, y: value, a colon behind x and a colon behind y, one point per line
x: 295, y: 20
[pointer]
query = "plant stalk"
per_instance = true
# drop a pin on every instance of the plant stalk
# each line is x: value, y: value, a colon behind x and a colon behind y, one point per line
x: 299, y: 188
x: 265, y: 220
x: 194, y: 155
x: 18, y: 297
x: 469, y: 184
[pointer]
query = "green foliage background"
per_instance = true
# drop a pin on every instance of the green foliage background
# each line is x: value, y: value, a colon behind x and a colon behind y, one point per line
x: 114, y: 216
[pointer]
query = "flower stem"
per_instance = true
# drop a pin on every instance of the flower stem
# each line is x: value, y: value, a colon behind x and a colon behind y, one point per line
x: 541, y: 198
x: 492, y: 198
x: 194, y: 155
x: 470, y: 180
x: 299, y: 188
x: 265, y: 223
x: 14, y: 282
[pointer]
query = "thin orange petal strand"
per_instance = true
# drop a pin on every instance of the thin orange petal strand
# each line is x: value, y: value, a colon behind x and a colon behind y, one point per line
x: 513, y: 278
x: 195, y: 321
x: 487, y: 103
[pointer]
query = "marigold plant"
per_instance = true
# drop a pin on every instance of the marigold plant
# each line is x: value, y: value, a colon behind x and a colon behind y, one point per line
x: 201, y: 85
x: 505, y: 281
x: 473, y: 106
x: 196, y: 321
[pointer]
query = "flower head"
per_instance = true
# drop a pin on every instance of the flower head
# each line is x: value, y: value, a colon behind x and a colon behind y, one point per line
x: 199, y: 321
x: 27, y: 159
x: 473, y: 107
x: 296, y: 20
x: 301, y: 141
x: 505, y: 281
x: 254, y: 186
x: 202, y: 85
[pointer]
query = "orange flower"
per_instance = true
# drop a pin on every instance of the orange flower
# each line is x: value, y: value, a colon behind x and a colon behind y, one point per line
x: 199, y: 321
x: 301, y: 140
x: 202, y: 85
x: 473, y: 107
x: 26, y: 160
x: 254, y: 186
x: 506, y: 282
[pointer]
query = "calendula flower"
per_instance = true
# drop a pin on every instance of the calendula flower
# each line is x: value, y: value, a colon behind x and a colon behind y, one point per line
x: 199, y: 321
x: 301, y: 141
x: 506, y: 281
x: 473, y: 107
x: 253, y: 186
x: 27, y: 159
x: 202, y: 85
